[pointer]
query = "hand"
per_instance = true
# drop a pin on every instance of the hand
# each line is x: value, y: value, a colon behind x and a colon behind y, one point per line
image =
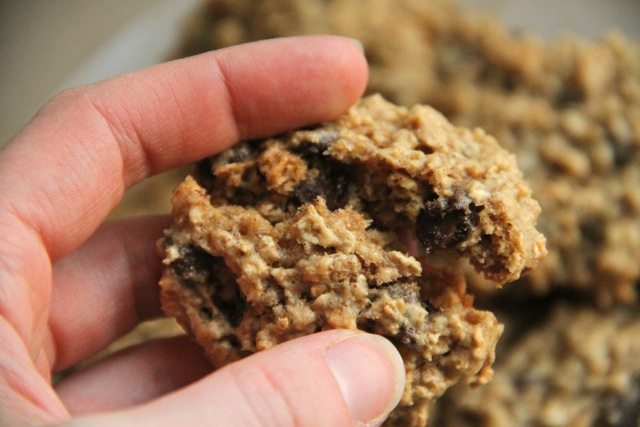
x: 70, y: 285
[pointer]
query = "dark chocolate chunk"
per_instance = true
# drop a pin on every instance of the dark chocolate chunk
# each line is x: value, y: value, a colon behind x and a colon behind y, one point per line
x: 243, y: 152
x: 623, y: 153
x: 317, y: 144
x: 194, y: 265
x: 206, y: 312
x: 592, y: 230
x: 620, y: 411
x: 332, y: 187
x: 630, y: 414
x: 331, y: 181
x: 230, y: 302
x: 446, y: 222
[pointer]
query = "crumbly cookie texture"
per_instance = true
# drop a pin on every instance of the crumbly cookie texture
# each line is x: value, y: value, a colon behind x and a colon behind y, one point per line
x: 580, y: 368
x: 347, y: 225
x: 568, y: 108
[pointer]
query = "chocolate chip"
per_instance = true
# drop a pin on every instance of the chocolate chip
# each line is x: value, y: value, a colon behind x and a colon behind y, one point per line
x: 367, y: 324
x: 316, y: 143
x: 194, y: 265
x: 233, y: 341
x: 630, y: 414
x: 308, y: 190
x: 230, y: 302
x: 206, y: 312
x: 569, y: 96
x: 619, y: 411
x: 203, y: 168
x: 592, y: 231
x: 167, y: 241
x: 331, y: 186
x: 446, y: 222
x: 243, y: 152
x: 240, y: 152
x: 623, y: 153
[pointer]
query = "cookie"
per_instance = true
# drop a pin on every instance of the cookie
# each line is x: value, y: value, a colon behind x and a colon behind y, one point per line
x: 581, y: 367
x: 568, y: 108
x: 352, y: 224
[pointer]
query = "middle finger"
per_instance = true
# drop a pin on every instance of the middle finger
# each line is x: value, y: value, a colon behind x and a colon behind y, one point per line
x: 104, y: 289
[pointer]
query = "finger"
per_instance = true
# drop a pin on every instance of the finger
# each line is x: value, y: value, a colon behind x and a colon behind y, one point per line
x: 104, y: 289
x: 69, y: 167
x: 133, y: 376
x: 334, y: 378
x: 26, y: 397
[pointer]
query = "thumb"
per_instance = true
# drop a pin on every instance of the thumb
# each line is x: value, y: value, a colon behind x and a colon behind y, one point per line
x: 333, y: 378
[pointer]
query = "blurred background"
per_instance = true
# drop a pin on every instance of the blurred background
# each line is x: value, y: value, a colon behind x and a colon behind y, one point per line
x: 47, y: 46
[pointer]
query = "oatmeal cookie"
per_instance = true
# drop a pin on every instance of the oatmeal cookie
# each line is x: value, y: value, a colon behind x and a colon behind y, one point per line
x: 580, y: 368
x: 568, y: 108
x: 348, y: 225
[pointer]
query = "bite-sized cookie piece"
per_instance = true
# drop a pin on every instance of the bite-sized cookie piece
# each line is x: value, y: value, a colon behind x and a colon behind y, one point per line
x: 319, y: 229
x: 581, y: 368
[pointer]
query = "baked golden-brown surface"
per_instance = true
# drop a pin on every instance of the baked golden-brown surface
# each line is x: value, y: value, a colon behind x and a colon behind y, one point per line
x: 340, y: 226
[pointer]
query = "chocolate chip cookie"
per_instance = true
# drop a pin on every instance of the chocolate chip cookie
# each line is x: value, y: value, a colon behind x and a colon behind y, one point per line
x: 353, y: 224
x: 580, y: 367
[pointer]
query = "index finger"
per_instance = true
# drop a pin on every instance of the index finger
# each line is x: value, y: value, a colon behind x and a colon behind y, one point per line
x: 66, y: 170
x: 70, y: 166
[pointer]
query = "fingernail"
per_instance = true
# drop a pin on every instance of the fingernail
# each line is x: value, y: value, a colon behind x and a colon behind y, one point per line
x: 356, y: 42
x: 370, y: 374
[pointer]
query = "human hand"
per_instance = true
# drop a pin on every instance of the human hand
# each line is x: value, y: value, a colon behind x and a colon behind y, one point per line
x: 71, y: 284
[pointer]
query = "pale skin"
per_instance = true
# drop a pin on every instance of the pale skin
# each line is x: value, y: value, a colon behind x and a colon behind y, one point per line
x: 71, y: 283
